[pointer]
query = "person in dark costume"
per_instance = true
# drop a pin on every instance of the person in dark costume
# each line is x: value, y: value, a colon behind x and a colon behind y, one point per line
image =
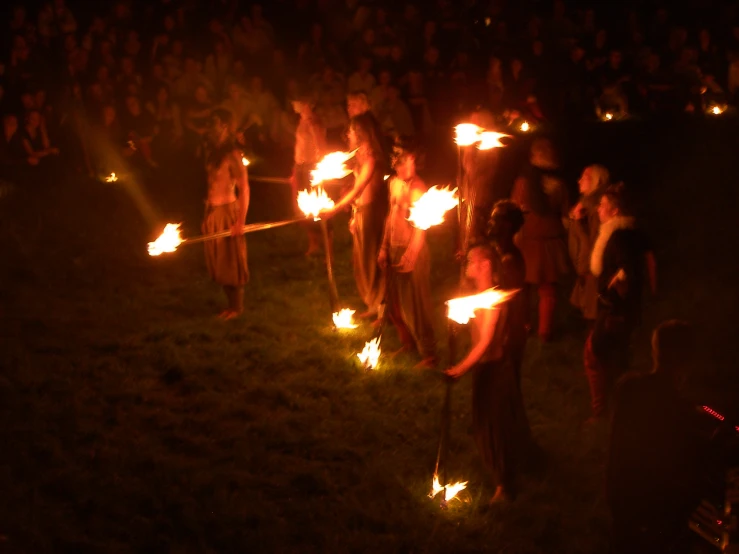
x: 541, y: 194
x: 582, y: 232
x: 654, y: 469
x: 500, y: 424
x: 618, y: 263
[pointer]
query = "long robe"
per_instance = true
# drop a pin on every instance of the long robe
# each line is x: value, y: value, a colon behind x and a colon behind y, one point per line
x: 225, y: 257
x: 500, y: 425
x: 369, y: 223
x: 581, y: 237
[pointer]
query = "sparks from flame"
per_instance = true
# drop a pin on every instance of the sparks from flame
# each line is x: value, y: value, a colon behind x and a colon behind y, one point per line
x: 313, y: 202
x: 451, y: 491
x: 467, y: 134
x: 429, y: 210
x: 245, y: 161
x: 491, y: 139
x: 168, y: 241
x: 525, y: 127
x: 370, y: 355
x: 343, y: 319
x: 112, y: 178
x: 461, y: 310
x: 331, y: 167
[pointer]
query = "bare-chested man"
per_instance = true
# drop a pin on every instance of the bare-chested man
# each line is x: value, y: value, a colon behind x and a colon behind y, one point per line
x: 226, y: 208
x: 405, y: 258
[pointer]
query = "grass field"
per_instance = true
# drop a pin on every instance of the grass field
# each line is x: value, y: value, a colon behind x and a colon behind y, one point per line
x: 132, y: 420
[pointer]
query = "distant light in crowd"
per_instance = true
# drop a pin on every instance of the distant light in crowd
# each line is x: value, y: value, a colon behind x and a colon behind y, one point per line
x: 525, y: 126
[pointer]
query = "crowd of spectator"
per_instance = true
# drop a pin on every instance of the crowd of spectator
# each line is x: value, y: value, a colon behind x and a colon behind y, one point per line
x: 96, y: 85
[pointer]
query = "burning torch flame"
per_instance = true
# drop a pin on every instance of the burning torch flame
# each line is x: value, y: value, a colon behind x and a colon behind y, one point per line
x: 245, y: 161
x: 111, y: 178
x: 429, y: 210
x: 716, y: 109
x: 168, y: 241
x: 450, y: 490
x: 463, y: 309
x: 313, y: 202
x: 343, y: 319
x: 525, y: 127
x: 370, y: 355
x: 467, y: 134
x: 490, y: 139
x: 332, y: 166
x: 607, y: 116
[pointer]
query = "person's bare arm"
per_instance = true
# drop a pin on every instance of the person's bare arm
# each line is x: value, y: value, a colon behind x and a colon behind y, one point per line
x: 410, y: 256
x: 242, y: 186
x: 487, y: 320
x: 361, y: 182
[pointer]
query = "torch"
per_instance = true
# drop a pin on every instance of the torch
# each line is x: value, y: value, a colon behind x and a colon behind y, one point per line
x: 171, y: 239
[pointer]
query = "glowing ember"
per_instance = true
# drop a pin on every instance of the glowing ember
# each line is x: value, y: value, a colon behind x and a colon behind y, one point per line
x: 332, y: 166
x: 343, y: 319
x: 463, y: 309
x: 525, y: 127
x: 111, y: 178
x: 386, y: 177
x: 370, y: 355
x: 450, y: 490
x: 168, y: 241
x: 429, y: 210
x: 467, y: 134
x: 245, y: 161
x: 607, y: 116
x: 490, y: 139
x: 313, y: 202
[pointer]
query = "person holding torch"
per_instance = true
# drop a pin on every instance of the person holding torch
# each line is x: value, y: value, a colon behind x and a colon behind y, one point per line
x: 500, y: 425
x: 369, y: 201
x: 226, y: 207
x: 404, y: 256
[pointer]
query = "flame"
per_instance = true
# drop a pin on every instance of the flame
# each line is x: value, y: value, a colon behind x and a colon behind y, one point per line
x: 245, y: 161
x: 467, y: 134
x: 525, y: 127
x: 490, y: 139
x: 429, y: 210
x: 313, y: 202
x: 168, y: 241
x: 386, y: 177
x: 607, y: 116
x: 463, y: 309
x: 716, y: 109
x: 343, y: 319
x: 450, y: 490
x: 332, y: 166
x: 370, y: 355
x: 111, y: 178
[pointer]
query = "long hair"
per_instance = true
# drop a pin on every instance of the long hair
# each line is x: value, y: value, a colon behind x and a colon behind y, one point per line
x: 618, y: 197
x: 365, y: 127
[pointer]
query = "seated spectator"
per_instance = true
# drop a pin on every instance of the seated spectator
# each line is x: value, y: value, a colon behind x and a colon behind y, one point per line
x: 362, y: 80
x: 263, y: 106
x: 398, y: 121
x: 167, y: 119
x: 379, y: 94
x: 218, y: 64
x: 139, y: 129
x: 192, y: 79
x: 35, y: 140
x: 12, y: 152
x: 197, y: 118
